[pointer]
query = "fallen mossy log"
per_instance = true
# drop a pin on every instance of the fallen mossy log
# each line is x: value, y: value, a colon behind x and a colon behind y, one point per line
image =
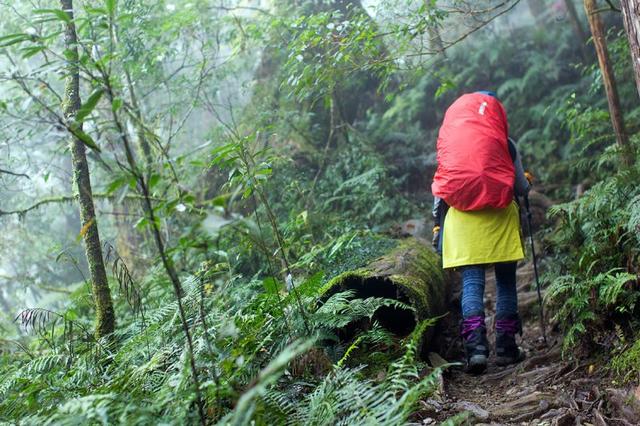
x: 410, y: 273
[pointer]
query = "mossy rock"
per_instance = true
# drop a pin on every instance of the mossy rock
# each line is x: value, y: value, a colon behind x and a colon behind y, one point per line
x: 411, y: 273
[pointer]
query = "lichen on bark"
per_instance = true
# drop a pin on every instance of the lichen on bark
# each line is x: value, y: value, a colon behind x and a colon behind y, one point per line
x: 105, y: 317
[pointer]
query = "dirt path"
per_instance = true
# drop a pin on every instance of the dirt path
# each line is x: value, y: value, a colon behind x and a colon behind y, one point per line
x: 542, y: 390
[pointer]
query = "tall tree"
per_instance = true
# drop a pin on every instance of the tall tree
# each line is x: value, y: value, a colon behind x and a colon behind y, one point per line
x: 105, y: 317
x: 608, y: 78
x: 577, y: 27
x: 631, y: 15
x: 106, y: 78
x: 435, y: 40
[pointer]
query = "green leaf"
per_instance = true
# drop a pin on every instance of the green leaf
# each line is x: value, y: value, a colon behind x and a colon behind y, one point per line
x: 30, y: 51
x: 222, y: 153
x: 70, y: 55
x: 90, y: 105
x: 445, y: 86
x: 153, y: 180
x: 111, y: 6
x: 96, y: 11
x: 220, y: 200
x: 141, y: 223
x: 59, y: 14
x: 11, y: 39
x: 71, y: 315
x: 85, y: 139
x: 116, y: 184
x: 116, y: 104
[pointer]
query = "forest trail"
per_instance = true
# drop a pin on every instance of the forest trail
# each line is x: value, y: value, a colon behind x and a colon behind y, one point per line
x: 544, y: 389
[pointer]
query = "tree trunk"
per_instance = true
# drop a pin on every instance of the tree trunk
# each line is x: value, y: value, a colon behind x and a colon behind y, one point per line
x: 577, y: 27
x: 129, y: 241
x: 608, y: 79
x: 410, y: 273
x: 105, y: 318
x: 631, y: 14
x: 435, y: 40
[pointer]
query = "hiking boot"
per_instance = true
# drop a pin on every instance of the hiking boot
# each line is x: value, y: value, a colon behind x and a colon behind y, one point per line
x: 507, y: 351
x: 474, y: 333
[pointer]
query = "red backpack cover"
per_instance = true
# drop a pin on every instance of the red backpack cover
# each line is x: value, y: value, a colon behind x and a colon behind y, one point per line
x: 475, y: 170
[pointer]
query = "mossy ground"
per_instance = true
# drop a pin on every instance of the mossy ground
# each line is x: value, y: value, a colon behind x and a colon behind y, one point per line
x: 627, y: 364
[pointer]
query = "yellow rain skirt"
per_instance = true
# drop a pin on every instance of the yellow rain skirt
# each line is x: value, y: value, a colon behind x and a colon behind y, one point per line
x: 482, y: 236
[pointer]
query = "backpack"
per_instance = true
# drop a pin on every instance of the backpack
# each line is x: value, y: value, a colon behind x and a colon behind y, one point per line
x: 475, y: 170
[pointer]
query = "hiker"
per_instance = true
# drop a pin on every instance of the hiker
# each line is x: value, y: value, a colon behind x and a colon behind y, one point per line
x: 478, y: 221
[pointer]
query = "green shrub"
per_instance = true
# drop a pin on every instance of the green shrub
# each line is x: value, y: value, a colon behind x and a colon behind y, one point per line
x: 593, y: 275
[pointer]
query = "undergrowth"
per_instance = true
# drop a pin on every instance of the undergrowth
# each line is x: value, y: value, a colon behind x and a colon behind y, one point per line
x: 625, y: 363
x: 302, y: 193
x: 594, y: 285
x: 251, y: 347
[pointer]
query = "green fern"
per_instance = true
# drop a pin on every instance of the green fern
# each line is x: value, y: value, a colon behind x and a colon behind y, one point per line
x: 591, y: 285
x: 344, y: 397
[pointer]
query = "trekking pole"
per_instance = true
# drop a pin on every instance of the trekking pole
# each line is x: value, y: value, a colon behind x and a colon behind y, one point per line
x: 535, y: 268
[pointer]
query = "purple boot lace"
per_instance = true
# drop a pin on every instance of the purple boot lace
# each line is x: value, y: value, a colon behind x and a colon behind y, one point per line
x: 508, y: 326
x: 470, y: 324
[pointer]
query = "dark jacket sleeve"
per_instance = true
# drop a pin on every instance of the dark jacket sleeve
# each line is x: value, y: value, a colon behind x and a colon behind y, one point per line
x: 521, y: 186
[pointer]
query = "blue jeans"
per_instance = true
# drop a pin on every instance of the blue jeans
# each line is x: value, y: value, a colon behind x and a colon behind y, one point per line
x: 473, y: 281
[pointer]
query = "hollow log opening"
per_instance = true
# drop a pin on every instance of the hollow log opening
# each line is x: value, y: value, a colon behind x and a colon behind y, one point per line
x: 410, y: 273
x: 398, y: 321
